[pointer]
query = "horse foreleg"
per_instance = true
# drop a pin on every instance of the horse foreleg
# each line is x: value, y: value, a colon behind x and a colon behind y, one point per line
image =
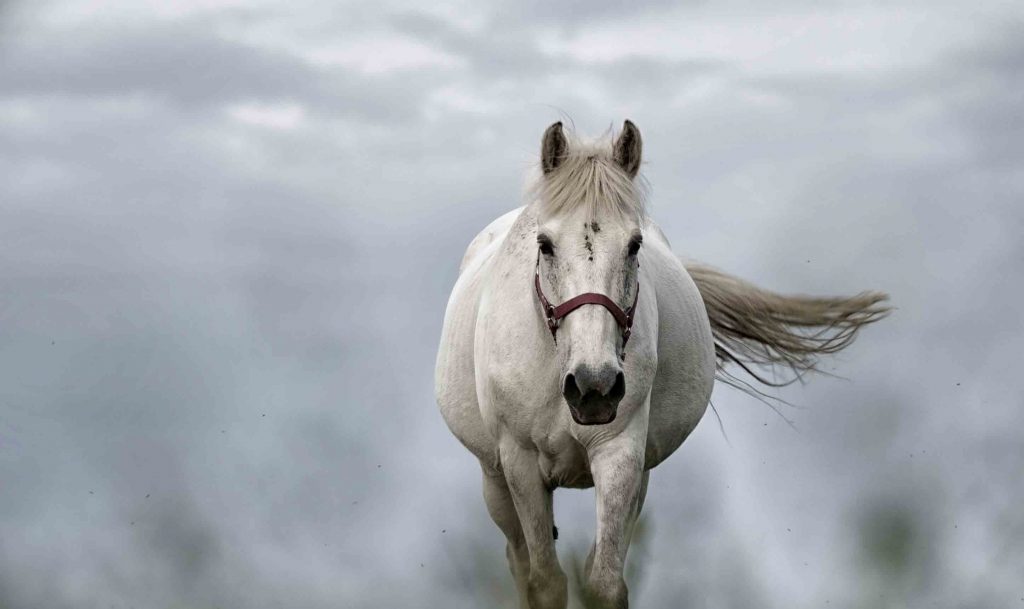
x: 546, y: 586
x: 503, y: 513
x: 589, y: 565
x: 620, y: 484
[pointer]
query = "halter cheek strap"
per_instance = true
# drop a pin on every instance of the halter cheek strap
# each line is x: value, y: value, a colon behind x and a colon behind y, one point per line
x: 553, y: 314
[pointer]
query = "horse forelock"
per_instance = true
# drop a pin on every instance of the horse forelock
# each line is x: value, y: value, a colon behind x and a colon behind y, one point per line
x: 588, y: 177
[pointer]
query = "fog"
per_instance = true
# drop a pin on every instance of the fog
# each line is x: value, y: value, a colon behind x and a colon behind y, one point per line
x: 228, y: 232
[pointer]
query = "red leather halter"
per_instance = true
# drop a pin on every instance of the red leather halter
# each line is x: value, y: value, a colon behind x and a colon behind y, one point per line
x: 554, y: 313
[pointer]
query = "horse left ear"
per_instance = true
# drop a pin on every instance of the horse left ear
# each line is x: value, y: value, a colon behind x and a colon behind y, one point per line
x: 627, y: 149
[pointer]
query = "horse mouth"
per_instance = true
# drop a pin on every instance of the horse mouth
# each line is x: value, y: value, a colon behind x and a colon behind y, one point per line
x: 593, y: 414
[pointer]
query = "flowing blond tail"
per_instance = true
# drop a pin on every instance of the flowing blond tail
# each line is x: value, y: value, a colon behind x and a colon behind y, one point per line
x: 755, y: 328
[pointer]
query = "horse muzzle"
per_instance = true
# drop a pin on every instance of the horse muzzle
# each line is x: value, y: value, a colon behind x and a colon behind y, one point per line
x: 593, y: 395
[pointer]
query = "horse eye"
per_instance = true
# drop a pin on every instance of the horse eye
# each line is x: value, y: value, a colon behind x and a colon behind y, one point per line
x: 634, y: 245
x: 546, y: 247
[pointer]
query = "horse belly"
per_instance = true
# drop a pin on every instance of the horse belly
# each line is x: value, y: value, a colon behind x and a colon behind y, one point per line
x: 686, y: 364
x: 454, y: 379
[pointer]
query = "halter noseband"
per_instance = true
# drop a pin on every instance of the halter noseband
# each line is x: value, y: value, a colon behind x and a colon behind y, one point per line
x: 554, y: 313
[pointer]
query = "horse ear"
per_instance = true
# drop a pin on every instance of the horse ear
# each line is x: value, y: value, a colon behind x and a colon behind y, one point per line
x: 627, y: 149
x: 553, y: 148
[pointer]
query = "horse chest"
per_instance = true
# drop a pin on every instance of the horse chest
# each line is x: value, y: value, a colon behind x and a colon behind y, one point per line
x: 564, y: 463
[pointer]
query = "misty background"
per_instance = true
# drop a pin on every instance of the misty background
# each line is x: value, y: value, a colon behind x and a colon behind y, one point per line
x: 228, y: 231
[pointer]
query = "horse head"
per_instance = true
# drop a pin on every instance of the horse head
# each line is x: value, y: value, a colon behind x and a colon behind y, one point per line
x: 589, y: 235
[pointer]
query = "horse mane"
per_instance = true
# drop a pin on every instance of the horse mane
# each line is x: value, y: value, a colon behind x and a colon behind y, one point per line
x: 756, y: 328
x: 589, y: 177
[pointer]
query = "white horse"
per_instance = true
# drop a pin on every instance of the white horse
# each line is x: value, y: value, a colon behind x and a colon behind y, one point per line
x: 601, y: 388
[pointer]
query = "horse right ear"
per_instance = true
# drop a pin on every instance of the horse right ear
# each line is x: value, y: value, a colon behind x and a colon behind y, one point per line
x: 553, y: 148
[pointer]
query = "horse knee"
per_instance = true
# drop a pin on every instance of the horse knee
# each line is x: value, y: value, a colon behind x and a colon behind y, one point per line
x: 518, y: 558
x: 607, y: 592
x: 516, y: 551
x: 548, y: 590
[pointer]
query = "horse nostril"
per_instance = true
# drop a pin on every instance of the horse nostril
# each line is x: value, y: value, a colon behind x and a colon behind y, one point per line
x: 619, y: 388
x: 571, y: 391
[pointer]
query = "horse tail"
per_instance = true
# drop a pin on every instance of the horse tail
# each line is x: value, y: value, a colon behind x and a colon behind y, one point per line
x: 758, y: 329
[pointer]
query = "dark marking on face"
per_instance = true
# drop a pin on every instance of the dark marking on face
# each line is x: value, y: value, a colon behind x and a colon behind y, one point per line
x: 594, y: 226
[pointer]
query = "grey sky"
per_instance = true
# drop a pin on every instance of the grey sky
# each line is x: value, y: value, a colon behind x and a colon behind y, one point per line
x: 214, y: 216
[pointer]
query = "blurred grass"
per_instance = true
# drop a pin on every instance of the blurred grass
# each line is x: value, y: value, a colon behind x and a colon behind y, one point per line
x: 477, y: 571
x: 894, y: 564
x: 575, y: 562
x: 895, y: 554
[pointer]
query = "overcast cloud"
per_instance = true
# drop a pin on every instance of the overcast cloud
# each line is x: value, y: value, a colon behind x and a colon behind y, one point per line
x: 228, y: 231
